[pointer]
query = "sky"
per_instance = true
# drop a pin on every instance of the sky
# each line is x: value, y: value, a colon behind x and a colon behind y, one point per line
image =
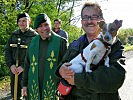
x: 112, y: 9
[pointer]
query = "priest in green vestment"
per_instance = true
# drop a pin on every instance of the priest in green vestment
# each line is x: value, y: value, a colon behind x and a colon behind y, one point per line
x: 43, y: 55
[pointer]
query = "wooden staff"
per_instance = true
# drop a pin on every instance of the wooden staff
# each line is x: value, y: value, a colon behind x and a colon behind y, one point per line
x: 18, y: 46
x: 16, y: 75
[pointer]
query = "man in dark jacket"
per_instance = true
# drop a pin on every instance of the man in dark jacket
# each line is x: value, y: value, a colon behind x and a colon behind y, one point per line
x: 16, y: 50
x: 102, y: 83
x: 57, y: 29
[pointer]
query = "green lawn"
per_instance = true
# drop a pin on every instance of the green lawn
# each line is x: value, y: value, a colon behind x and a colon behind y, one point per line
x: 128, y: 47
x: 4, y: 81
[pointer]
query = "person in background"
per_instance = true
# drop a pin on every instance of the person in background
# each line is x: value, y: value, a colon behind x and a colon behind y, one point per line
x: 57, y: 29
x: 22, y: 36
x: 44, y: 54
x: 102, y: 83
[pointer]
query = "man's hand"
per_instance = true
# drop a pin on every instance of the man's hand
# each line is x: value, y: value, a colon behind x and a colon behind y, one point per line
x: 25, y: 91
x: 19, y: 70
x: 71, y: 80
x: 66, y: 73
x: 13, y: 69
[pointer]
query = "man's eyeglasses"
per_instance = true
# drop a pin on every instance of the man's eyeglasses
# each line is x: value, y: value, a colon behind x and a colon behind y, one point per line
x: 93, y: 17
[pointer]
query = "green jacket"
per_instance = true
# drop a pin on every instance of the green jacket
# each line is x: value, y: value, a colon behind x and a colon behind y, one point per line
x: 103, y: 83
x: 10, y: 51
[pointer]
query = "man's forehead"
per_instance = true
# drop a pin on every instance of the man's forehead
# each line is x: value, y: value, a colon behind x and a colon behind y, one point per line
x: 44, y: 23
x: 24, y: 18
x: 90, y: 10
x: 57, y: 22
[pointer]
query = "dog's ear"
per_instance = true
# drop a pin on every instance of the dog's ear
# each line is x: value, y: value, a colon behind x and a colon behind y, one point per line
x: 101, y: 24
x: 118, y: 23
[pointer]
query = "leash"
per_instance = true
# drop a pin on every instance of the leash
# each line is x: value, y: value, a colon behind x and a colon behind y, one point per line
x: 83, y: 58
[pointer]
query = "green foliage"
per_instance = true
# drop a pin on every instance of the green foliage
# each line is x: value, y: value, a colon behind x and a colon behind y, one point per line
x: 48, y: 8
x: 3, y: 69
x: 4, y: 82
x: 73, y: 33
x: 8, y: 25
x: 123, y: 34
x: 128, y: 47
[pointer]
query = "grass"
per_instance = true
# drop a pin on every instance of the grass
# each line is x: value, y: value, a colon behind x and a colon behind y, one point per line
x: 128, y: 47
x: 4, y: 81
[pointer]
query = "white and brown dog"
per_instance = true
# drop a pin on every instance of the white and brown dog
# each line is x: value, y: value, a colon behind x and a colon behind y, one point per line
x: 98, y: 50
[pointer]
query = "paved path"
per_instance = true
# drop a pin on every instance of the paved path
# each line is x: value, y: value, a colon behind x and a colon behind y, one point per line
x: 126, y: 91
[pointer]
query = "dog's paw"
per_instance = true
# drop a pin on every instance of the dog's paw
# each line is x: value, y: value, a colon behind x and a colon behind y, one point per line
x: 88, y: 70
x: 107, y: 65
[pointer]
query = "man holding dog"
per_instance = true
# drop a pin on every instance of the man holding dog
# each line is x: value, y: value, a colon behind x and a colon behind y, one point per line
x: 102, y: 83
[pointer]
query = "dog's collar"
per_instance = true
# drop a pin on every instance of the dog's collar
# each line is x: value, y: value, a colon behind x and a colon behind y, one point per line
x: 105, y: 43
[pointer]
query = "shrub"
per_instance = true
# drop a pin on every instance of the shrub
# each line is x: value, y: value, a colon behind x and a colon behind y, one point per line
x: 123, y: 34
x: 4, y: 70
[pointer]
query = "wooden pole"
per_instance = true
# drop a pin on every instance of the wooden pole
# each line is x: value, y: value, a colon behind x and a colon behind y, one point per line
x: 18, y: 46
x: 16, y: 75
x: 15, y: 86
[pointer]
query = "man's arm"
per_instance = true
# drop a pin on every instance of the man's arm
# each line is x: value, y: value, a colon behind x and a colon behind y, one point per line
x: 63, y: 49
x: 25, y: 73
x: 8, y: 54
x: 26, y: 69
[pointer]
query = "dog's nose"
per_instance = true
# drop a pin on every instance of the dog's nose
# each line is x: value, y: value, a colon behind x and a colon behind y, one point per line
x: 106, y: 38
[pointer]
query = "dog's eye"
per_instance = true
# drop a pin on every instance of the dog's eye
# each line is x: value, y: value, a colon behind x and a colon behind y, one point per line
x: 112, y: 29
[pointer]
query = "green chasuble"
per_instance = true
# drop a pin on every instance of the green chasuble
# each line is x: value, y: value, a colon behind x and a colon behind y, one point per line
x: 49, y: 87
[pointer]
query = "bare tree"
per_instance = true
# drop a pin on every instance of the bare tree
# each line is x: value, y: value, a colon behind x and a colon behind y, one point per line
x: 71, y: 11
x: 59, y: 5
x: 26, y: 2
